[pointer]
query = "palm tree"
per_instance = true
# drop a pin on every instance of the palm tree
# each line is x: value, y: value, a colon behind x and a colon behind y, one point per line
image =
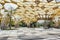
x: 0, y: 18
x: 10, y: 14
x: 0, y: 13
x: 10, y: 8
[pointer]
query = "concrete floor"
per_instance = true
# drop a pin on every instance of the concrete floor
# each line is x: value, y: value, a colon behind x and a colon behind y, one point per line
x: 30, y: 34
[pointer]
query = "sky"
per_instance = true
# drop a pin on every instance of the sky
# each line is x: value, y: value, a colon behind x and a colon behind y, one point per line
x: 9, y: 6
x: 57, y: 0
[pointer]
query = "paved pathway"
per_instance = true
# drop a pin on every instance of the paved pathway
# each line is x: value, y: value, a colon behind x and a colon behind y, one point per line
x: 30, y: 34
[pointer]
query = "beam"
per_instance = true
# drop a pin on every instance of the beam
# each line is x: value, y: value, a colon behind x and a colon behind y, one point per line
x: 57, y: 12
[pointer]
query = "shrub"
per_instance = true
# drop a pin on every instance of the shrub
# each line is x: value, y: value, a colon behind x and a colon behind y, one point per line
x: 22, y: 24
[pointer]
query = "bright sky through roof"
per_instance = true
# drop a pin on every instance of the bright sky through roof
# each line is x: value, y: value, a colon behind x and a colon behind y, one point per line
x: 57, y: 0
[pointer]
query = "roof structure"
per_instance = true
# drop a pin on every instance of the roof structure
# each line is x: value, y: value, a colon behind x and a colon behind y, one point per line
x: 33, y: 10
